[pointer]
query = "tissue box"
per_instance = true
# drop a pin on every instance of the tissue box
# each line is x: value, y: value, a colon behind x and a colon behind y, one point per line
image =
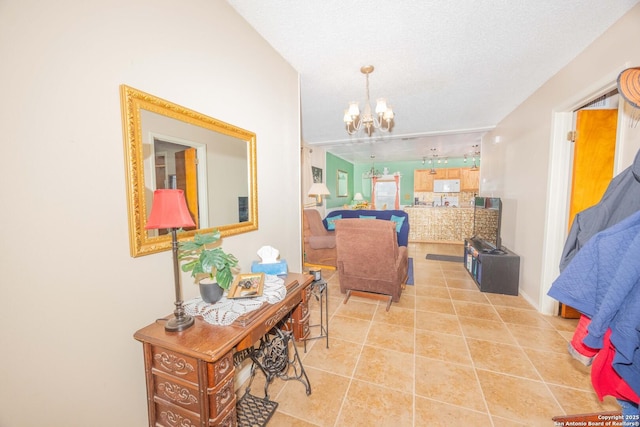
x: 275, y: 268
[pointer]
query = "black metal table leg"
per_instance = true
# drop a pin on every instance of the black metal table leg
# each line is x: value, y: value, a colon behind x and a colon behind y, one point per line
x: 273, y: 358
x: 320, y: 290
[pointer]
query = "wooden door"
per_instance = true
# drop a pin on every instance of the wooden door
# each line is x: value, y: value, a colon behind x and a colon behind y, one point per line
x: 187, y: 180
x: 161, y: 170
x: 594, y: 149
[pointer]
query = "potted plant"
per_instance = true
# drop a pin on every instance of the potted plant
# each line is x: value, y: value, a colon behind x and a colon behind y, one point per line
x: 208, y: 264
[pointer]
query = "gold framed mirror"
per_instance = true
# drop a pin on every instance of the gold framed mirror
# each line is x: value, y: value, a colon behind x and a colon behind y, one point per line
x: 170, y: 146
x: 342, y: 180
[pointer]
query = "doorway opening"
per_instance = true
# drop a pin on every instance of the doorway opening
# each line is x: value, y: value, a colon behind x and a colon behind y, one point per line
x: 175, y: 163
x: 559, y: 180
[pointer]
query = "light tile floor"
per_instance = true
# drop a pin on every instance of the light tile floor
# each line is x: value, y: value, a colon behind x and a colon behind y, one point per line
x: 446, y: 354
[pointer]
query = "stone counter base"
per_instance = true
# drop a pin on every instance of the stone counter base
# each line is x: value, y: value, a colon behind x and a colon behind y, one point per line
x: 440, y: 225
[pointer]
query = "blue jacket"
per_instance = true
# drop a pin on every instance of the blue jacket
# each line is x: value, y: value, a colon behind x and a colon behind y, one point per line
x: 602, y: 281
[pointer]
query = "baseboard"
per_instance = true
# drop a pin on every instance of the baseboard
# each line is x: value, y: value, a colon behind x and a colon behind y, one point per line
x: 328, y: 267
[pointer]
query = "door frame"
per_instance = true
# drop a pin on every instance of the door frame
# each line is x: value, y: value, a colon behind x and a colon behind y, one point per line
x: 201, y: 154
x: 559, y: 179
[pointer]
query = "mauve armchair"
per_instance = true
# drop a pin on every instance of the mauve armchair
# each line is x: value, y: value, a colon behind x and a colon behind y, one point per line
x: 319, y: 243
x: 370, y: 262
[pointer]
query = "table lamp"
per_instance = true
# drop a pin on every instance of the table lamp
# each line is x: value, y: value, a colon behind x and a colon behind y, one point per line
x: 318, y: 190
x: 169, y: 210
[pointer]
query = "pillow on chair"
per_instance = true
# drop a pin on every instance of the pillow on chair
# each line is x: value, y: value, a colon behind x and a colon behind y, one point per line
x: 399, y: 220
x: 331, y: 222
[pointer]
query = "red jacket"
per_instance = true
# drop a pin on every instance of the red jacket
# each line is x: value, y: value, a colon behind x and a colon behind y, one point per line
x: 605, y: 380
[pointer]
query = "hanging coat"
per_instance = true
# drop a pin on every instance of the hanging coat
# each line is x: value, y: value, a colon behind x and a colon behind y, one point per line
x: 603, y: 282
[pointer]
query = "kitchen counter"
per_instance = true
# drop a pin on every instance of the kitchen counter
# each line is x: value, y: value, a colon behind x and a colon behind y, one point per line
x: 439, y: 224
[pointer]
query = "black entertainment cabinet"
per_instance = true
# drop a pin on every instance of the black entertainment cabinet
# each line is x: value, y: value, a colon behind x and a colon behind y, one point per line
x: 493, y: 271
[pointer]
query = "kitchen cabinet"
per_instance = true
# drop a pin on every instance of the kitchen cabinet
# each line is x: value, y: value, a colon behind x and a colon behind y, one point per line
x: 469, y: 179
x: 423, y: 178
x: 453, y: 173
x: 441, y: 173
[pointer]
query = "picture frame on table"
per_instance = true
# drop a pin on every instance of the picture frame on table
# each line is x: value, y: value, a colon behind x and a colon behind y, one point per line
x: 248, y: 285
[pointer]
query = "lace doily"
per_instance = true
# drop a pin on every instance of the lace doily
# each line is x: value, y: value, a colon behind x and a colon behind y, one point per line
x: 226, y: 311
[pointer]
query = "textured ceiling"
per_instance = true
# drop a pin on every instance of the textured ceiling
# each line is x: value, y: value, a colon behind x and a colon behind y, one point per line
x: 450, y: 69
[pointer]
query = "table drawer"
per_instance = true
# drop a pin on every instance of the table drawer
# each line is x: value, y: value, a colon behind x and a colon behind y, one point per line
x: 217, y: 372
x: 221, y: 397
x: 178, y: 393
x: 175, y: 364
x: 227, y: 419
x: 169, y: 415
x: 306, y: 294
x: 300, y: 328
x: 301, y: 311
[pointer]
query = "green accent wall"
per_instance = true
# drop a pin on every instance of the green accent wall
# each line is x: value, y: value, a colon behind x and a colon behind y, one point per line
x: 358, y: 184
x: 334, y: 164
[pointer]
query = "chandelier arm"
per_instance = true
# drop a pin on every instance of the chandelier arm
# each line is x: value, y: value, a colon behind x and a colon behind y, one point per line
x: 375, y: 122
x: 356, y: 124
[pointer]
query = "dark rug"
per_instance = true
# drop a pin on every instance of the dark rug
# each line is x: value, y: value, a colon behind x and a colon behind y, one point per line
x: 451, y: 258
x: 410, y: 272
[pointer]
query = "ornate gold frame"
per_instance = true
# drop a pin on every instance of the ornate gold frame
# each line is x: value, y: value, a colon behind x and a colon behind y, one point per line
x: 132, y: 101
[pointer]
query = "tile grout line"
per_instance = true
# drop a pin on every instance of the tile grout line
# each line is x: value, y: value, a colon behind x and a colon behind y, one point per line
x: 351, y: 377
x: 544, y: 381
x: 473, y: 362
x: 415, y: 345
x: 451, y: 290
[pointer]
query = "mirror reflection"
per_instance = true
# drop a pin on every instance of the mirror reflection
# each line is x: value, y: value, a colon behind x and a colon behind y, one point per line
x: 343, y: 184
x: 169, y: 146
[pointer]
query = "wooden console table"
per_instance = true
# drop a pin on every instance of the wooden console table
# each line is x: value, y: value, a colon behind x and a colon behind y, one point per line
x: 190, y: 374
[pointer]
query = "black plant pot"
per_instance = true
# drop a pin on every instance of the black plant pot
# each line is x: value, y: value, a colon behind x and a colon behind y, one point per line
x: 210, y: 292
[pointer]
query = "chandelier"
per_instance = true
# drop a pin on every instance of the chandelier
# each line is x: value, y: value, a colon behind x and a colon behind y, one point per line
x: 382, y: 120
x: 373, y: 172
x: 476, y: 153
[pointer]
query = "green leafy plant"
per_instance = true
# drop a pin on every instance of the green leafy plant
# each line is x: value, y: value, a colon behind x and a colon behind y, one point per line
x: 203, y: 260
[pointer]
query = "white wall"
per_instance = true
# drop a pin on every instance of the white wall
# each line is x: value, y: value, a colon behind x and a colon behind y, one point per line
x: 72, y: 297
x: 313, y: 157
x: 530, y: 163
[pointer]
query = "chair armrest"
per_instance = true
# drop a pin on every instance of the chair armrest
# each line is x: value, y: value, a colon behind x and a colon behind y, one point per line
x: 322, y: 242
x: 403, y: 258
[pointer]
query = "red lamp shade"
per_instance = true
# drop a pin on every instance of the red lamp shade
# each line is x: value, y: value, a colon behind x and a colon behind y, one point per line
x: 169, y: 210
